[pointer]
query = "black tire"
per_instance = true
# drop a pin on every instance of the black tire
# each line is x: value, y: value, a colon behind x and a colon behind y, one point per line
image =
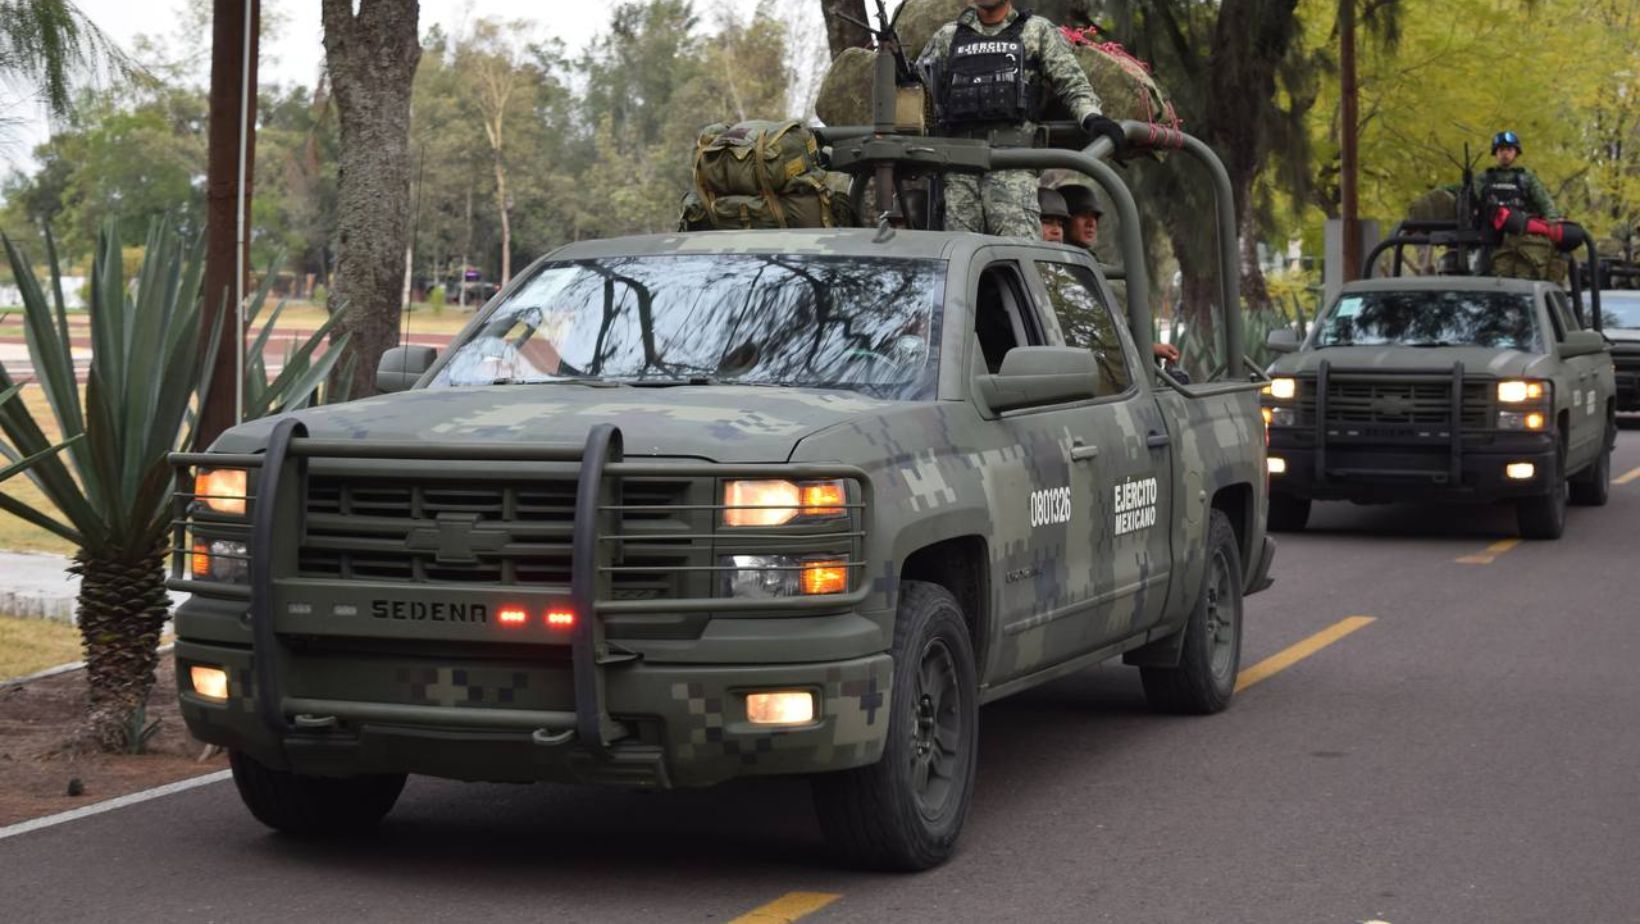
x: 1543, y: 517
x: 1593, y: 486
x: 880, y: 817
x: 1288, y: 514
x: 314, y: 805
x: 1205, y: 678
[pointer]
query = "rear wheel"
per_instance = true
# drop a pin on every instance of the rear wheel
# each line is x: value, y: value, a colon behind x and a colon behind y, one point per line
x: 314, y: 805
x: 1544, y: 516
x: 1288, y: 514
x: 1205, y: 677
x: 905, y: 811
x: 1593, y: 486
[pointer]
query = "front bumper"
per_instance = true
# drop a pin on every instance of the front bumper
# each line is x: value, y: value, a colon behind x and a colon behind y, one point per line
x: 477, y: 720
x: 1386, y: 473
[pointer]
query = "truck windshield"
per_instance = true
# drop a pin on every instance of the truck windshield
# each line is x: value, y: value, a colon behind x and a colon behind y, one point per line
x: 1619, y: 309
x: 1498, y: 320
x: 807, y: 320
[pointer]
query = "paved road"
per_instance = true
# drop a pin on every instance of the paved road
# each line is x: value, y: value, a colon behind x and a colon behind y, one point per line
x: 1468, y: 755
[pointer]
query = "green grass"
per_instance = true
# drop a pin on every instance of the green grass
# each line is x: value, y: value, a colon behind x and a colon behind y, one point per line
x: 15, y: 534
x: 29, y: 645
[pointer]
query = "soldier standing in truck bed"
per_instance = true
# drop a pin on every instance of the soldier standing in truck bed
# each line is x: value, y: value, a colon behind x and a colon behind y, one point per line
x: 993, y: 69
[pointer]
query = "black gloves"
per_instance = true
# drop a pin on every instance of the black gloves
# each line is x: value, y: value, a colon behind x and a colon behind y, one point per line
x: 1097, y: 126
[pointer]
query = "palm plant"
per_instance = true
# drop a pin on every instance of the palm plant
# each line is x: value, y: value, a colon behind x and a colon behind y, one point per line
x: 50, y: 43
x: 112, y: 487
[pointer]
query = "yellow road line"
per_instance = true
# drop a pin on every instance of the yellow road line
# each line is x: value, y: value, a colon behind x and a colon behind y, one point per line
x: 1490, y: 555
x: 787, y: 908
x: 1625, y: 479
x: 1282, y: 660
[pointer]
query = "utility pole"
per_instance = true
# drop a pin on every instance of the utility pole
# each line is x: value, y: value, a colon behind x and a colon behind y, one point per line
x: 230, y: 164
x: 1350, y: 146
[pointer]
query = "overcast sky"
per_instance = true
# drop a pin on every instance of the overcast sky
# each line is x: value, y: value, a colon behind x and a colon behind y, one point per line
x: 296, y: 53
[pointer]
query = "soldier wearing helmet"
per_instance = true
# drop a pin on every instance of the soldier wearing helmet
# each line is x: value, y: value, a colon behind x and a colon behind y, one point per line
x: 1510, y: 185
x: 1083, y: 227
x: 1054, y: 214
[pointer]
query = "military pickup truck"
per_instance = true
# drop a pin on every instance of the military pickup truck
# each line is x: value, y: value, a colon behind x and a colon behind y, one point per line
x: 1620, y: 309
x: 677, y: 509
x: 1443, y: 388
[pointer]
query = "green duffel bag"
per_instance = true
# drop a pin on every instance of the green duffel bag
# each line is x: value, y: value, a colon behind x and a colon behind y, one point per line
x: 755, y: 159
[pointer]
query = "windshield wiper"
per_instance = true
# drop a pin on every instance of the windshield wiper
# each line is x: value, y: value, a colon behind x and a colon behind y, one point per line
x: 589, y: 381
x: 1433, y: 344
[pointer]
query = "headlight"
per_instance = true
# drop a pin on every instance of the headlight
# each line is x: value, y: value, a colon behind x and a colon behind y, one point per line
x: 1282, y: 389
x: 776, y: 503
x: 770, y: 576
x: 220, y: 560
x: 221, y: 489
x: 1519, y: 391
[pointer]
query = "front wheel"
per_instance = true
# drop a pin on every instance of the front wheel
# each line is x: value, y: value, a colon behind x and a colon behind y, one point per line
x: 1205, y: 677
x: 1593, y: 486
x: 905, y: 811
x: 314, y: 805
x: 1544, y: 516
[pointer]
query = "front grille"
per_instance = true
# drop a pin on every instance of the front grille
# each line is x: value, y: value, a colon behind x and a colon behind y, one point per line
x: 440, y: 530
x: 1382, y: 405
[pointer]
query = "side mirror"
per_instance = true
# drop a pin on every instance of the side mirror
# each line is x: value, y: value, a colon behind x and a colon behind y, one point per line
x: 1039, y: 375
x: 1282, y: 340
x: 400, y: 367
x: 1582, y: 343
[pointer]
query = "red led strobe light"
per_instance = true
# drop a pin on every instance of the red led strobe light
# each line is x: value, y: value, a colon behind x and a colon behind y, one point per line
x: 512, y: 616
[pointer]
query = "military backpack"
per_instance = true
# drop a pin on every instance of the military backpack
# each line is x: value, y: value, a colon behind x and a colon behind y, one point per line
x: 760, y: 175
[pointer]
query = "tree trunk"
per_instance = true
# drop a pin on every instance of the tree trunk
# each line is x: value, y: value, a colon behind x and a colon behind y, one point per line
x: 229, y: 60
x: 371, y: 57
x: 506, y: 218
x: 840, y: 33
x: 122, y: 607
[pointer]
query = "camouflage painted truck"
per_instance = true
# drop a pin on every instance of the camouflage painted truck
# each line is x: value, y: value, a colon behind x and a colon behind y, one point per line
x: 677, y: 509
x: 1454, y: 388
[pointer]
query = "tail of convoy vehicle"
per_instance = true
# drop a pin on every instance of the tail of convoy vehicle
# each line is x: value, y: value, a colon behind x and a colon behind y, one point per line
x: 1449, y: 387
x: 683, y: 508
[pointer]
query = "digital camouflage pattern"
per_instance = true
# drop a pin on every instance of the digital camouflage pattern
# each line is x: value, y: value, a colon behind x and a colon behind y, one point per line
x: 1004, y: 202
x: 1071, y: 561
x: 1538, y: 200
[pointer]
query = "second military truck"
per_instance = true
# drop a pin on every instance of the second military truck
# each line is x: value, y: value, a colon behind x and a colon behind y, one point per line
x: 1443, y: 388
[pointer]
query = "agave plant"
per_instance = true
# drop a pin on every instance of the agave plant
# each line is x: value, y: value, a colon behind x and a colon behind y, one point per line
x: 112, y: 486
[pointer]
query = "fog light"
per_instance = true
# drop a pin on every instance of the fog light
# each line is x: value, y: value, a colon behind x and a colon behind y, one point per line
x: 787, y: 707
x: 209, y: 682
x: 1278, y: 465
x: 1520, y: 471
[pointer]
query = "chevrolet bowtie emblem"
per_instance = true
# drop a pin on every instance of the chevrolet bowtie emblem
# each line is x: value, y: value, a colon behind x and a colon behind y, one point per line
x: 456, y: 539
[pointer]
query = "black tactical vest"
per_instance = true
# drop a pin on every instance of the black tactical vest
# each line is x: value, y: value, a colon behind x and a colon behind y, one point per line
x: 986, y: 78
x: 1503, y: 187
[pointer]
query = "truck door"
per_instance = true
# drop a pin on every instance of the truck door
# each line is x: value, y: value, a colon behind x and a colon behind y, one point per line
x: 1586, y: 422
x: 1036, y: 466
x: 1133, y: 468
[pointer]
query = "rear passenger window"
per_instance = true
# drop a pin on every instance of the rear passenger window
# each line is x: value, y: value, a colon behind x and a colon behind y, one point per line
x: 1087, y: 321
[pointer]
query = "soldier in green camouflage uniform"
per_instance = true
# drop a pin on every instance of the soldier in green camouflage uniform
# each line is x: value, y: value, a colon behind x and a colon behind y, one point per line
x: 991, y: 71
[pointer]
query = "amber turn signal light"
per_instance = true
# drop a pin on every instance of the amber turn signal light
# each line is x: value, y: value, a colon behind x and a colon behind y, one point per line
x: 825, y: 577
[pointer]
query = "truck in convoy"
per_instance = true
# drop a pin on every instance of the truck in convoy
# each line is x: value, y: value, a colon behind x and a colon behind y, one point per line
x: 677, y: 509
x: 1460, y: 386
